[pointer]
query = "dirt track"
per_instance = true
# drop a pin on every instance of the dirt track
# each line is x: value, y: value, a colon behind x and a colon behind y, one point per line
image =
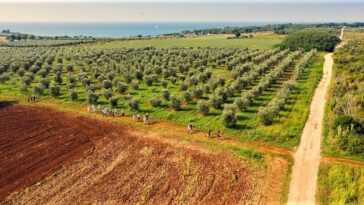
x: 307, y: 158
x: 64, y: 159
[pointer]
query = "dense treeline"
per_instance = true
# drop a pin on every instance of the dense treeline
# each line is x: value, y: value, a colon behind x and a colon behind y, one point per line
x: 346, y: 103
x: 310, y: 39
x: 17, y: 36
x: 43, y: 43
x: 276, y: 28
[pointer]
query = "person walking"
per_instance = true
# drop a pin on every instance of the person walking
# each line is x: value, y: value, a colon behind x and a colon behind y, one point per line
x: 218, y: 135
x: 189, y: 128
x: 209, y: 133
x: 145, y: 119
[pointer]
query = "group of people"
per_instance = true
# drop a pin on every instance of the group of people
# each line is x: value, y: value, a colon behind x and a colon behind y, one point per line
x: 136, y: 117
x: 209, y: 132
x: 31, y: 98
x: 106, y: 111
x: 114, y: 113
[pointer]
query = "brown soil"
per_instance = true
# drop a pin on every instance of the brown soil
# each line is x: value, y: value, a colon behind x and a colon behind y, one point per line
x: 51, y: 157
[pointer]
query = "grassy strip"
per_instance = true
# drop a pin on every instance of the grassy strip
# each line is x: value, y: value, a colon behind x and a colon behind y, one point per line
x: 338, y: 184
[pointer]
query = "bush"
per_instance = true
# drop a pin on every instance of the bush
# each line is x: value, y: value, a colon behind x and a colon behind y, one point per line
x: 166, y: 94
x: 148, y: 80
x: 175, y: 103
x: 308, y: 40
x: 197, y: 92
x: 54, y: 90
x: 92, y: 97
x: 70, y: 86
x: 347, y: 121
x: 133, y: 104
x: 26, y: 79
x: 121, y: 87
x: 135, y: 85
x: 113, y: 101
x: 58, y: 78
x: 44, y: 82
x: 73, y: 95
x: 187, y: 96
x: 107, y: 93
x: 229, y: 117
x: 183, y: 86
x: 107, y: 84
x: 266, y: 115
x: 23, y: 88
x: 242, y: 103
x: 203, y: 107
x: 38, y: 89
x: 216, y: 101
x: 155, y: 101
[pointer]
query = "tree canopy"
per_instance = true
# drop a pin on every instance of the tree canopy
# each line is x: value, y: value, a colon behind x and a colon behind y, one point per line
x: 310, y: 39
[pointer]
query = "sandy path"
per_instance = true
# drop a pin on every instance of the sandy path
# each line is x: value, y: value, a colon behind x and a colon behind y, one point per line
x: 307, y: 158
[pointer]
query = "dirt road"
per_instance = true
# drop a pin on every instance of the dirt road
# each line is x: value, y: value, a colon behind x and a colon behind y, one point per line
x: 307, y: 158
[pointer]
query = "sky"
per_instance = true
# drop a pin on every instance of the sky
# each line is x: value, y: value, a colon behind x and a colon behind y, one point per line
x: 181, y: 11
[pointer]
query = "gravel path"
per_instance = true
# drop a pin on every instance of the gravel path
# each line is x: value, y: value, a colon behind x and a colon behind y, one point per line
x: 307, y: 158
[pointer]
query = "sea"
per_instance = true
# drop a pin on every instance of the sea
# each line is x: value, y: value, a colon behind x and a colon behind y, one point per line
x: 113, y: 30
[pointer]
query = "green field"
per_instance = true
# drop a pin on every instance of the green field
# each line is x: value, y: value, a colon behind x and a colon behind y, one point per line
x: 340, y: 184
x: 259, y: 41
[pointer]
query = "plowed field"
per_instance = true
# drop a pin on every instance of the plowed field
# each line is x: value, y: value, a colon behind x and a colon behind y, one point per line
x: 49, y: 157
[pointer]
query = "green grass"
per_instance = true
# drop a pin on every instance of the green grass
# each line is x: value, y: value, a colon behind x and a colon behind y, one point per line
x: 338, y: 184
x: 259, y: 41
x: 346, y: 83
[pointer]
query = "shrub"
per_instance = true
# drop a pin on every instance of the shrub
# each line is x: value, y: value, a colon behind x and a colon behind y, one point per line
x: 70, y: 86
x: 308, y: 40
x: 54, y: 90
x: 135, y: 85
x: 107, y: 84
x: 73, y: 95
x: 58, y: 78
x: 92, y: 97
x: 107, y: 93
x: 166, y: 94
x: 197, y: 92
x: 26, y: 79
x: 242, y: 103
x: 183, y: 86
x: 155, y: 100
x: 38, y: 89
x: 164, y: 84
x: 69, y: 68
x: 113, y: 101
x: 121, y: 87
x: 266, y: 115
x: 216, y: 101
x: 203, y: 107
x: 44, y: 82
x: 133, y: 104
x: 148, y: 80
x: 175, y: 103
x: 21, y: 72
x: 229, y: 117
x: 23, y: 88
x: 187, y: 96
